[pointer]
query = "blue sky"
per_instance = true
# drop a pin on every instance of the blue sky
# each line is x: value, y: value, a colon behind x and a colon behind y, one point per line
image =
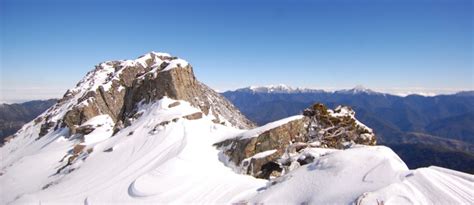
x: 420, y: 45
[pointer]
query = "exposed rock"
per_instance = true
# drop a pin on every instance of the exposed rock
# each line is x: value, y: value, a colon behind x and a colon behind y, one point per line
x: 85, y: 130
x: 173, y: 104
x: 38, y: 120
x: 109, y: 149
x: 7, y: 139
x: 335, y: 129
x: 194, y: 116
x: 164, y: 123
x: 149, y: 78
x: 78, y: 149
x: 277, y: 138
x: 320, y: 127
x: 45, y: 128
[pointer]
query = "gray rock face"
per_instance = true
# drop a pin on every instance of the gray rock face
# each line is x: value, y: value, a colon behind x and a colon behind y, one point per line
x: 116, y: 88
x: 320, y: 127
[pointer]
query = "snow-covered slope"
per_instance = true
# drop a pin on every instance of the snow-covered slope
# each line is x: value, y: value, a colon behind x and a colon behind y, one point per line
x: 365, y: 175
x: 162, y: 157
x: 93, y: 149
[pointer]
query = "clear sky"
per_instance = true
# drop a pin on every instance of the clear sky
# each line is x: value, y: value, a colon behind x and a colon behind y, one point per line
x: 387, y: 45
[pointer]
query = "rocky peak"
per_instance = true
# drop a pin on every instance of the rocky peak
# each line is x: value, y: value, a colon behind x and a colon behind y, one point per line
x: 271, y: 149
x: 117, y: 88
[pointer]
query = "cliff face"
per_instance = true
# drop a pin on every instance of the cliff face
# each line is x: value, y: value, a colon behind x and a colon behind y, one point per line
x: 276, y: 147
x: 118, y: 88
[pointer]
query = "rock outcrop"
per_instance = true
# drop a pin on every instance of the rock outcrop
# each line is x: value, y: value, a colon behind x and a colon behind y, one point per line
x: 118, y: 88
x: 274, y: 148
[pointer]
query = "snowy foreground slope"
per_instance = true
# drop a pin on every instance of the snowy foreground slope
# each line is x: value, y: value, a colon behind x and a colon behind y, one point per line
x: 166, y: 153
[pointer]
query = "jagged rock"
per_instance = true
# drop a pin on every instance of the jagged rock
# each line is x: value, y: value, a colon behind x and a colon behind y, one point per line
x: 319, y: 127
x: 45, y: 128
x: 84, y: 130
x: 151, y: 77
x: 277, y: 138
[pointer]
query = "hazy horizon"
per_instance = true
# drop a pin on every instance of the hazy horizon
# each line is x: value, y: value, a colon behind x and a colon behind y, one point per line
x: 396, y: 47
x: 46, y: 94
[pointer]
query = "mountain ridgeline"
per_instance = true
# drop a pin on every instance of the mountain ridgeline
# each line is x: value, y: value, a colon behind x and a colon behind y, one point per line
x: 441, y: 125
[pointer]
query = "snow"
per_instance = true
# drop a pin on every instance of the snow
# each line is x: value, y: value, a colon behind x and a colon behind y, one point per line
x: 366, y: 175
x: 103, y: 128
x: 264, y: 154
x: 257, y: 131
x: 338, y: 177
x: 161, y: 54
x: 175, y: 64
x: 177, y: 164
x: 432, y: 185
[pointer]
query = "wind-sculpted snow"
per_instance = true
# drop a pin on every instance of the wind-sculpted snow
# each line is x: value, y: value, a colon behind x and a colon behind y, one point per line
x: 365, y: 175
x: 160, y: 158
x: 337, y: 177
x: 432, y: 185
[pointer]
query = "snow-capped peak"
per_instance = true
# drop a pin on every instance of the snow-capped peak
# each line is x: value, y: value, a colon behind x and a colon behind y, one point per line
x: 279, y: 88
x: 359, y: 89
x: 282, y: 88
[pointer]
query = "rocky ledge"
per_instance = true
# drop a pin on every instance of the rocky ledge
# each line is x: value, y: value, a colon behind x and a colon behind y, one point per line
x: 276, y: 148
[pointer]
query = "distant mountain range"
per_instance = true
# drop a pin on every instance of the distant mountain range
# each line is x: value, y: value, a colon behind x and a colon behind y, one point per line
x: 14, y: 116
x: 442, y: 125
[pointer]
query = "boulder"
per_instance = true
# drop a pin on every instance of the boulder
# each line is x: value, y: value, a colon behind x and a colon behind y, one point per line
x: 319, y: 127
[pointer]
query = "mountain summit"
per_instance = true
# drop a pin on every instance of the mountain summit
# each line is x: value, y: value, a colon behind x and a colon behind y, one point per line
x: 118, y: 88
x: 359, y: 89
x: 145, y: 131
